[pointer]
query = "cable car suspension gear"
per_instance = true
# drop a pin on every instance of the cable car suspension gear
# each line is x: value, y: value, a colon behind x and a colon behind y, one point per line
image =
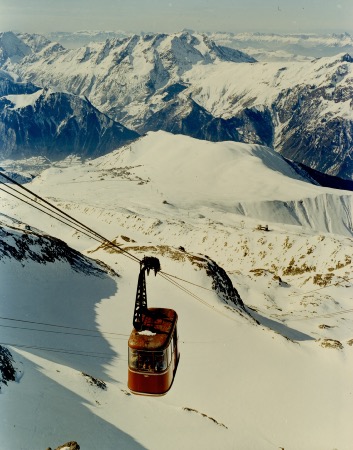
x: 147, y: 263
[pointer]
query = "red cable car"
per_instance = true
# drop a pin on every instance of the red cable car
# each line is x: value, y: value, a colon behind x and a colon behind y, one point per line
x: 153, y: 343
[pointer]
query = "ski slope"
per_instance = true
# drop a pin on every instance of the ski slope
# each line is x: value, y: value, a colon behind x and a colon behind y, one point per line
x: 284, y: 382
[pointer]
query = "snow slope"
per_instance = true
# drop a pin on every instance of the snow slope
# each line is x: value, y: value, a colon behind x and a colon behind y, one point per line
x: 259, y: 84
x: 171, y: 173
x: 284, y: 383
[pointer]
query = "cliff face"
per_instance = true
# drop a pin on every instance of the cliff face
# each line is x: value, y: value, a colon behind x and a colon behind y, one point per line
x: 55, y: 125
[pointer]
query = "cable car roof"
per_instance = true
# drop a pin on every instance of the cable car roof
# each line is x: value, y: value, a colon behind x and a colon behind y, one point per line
x: 157, y: 325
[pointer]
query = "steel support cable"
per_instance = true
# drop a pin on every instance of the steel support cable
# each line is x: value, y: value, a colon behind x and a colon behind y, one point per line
x: 38, y: 197
x: 47, y: 213
x: 61, y: 213
x: 106, y: 241
x: 323, y: 316
x: 186, y: 291
x: 60, y: 350
x: 61, y: 326
x: 200, y: 299
x: 8, y: 186
x: 103, y: 239
x: 60, y: 332
x: 93, y: 235
x: 323, y: 287
x: 186, y: 281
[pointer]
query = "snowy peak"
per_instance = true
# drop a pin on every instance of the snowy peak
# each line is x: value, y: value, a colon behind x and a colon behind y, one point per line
x: 84, y: 37
x: 36, y: 42
x: 186, y: 83
x: 175, y: 52
x: 195, y: 48
x: 8, y: 86
x: 21, y: 243
x: 119, y: 76
x: 12, y: 48
x: 55, y: 125
x: 175, y: 161
x: 15, y: 47
x: 249, y: 180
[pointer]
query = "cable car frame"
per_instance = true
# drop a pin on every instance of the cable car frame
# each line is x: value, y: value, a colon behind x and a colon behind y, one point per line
x: 153, y: 343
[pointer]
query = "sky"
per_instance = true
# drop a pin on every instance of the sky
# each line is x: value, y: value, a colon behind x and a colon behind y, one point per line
x: 277, y: 16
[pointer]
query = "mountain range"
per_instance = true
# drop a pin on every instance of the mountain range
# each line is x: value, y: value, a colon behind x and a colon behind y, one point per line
x: 187, y: 83
x: 35, y: 121
x: 262, y: 46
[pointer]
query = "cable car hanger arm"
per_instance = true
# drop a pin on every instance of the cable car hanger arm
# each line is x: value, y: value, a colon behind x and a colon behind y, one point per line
x: 147, y: 263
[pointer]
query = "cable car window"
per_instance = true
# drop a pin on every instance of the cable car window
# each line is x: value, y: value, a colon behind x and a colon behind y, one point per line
x: 148, y: 361
x: 140, y: 360
x: 169, y: 354
x: 160, y: 361
x: 133, y: 358
x: 175, y: 338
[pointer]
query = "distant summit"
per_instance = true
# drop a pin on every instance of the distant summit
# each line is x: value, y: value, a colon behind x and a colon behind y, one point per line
x: 40, y: 122
x: 12, y: 48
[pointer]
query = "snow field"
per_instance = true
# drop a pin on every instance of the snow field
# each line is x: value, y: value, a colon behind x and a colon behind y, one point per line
x: 238, y: 384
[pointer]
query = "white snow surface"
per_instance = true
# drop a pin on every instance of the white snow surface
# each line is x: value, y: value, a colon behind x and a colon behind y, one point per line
x: 224, y: 89
x: 285, y: 383
x: 22, y: 101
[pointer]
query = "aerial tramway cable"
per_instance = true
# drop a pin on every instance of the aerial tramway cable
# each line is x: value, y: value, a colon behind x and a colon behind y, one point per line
x: 61, y: 326
x: 91, y: 233
x: 60, y: 350
x: 67, y: 216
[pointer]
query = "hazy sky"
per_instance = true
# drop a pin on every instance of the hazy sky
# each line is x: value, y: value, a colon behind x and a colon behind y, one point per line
x: 173, y: 15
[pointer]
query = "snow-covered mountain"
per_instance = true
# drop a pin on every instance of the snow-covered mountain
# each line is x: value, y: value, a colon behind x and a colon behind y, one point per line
x: 12, y: 48
x: 74, y: 39
x: 8, y: 86
x: 284, y: 243
x: 36, y: 121
x: 308, y: 104
x: 179, y: 173
x: 262, y: 46
x: 120, y: 75
x: 185, y: 83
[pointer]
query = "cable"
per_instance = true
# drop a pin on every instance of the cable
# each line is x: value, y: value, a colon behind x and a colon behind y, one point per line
x: 72, y: 220
x: 324, y: 316
x: 31, y: 199
x: 63, y: 213
x: 185, y: 281
x: 58, y: 332
x: 48, y: 214
x: 186, y: 290
x: 61, y: 326
x: 323, y: 287
x: 61, y: 350
x: 126, y: 253
x: 199, y: 299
